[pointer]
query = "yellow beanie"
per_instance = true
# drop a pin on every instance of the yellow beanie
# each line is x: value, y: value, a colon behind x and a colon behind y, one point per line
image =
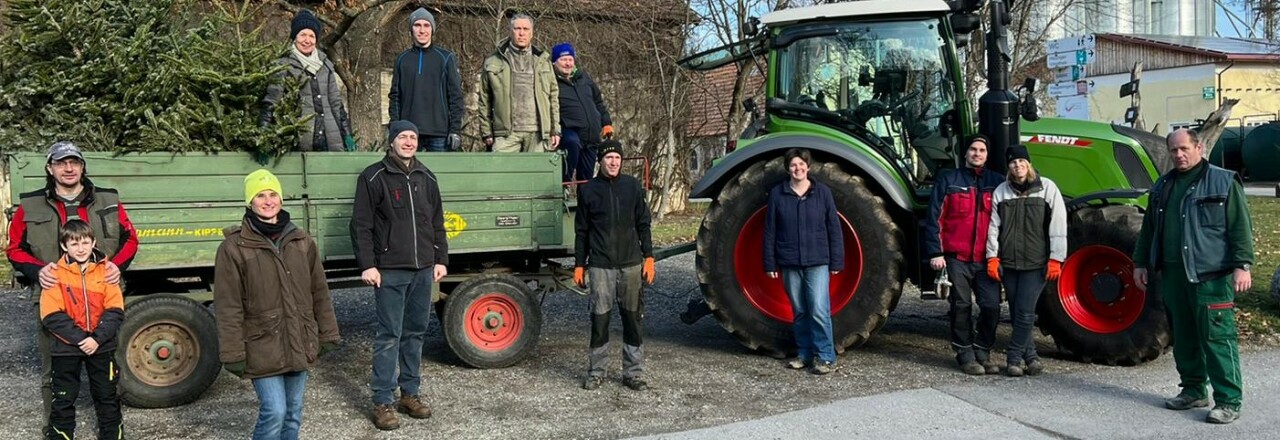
x: 258, y: 181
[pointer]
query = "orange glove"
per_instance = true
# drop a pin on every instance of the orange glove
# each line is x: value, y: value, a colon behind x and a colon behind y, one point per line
x: 993, y: 268
x: 580, y: 276
x: 1055, y: 270
x: 648, y: 271
x: 606, y: 132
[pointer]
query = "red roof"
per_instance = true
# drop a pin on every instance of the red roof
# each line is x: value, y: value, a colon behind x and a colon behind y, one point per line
x: 711, y: 96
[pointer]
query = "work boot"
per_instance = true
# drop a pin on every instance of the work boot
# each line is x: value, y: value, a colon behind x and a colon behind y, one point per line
x: 972, y: 368
x: 591, y: 382
x: 823, y: 367
x: 1222, y: 415
x: 1034, y: 368
x: 796, y: 364
x: 1014, y: 369
x: 1185, y: 402
x: 991, y: 367
x: 635, y: 383
x: 384, y: 417
x: 414, y: 407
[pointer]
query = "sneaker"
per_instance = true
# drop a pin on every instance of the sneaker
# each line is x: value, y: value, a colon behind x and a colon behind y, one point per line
x: 1014, y: 370
x: 991, y: 367
x: 1034, y: 367
x: 972, y: 368
x: 384, y: 417
x: 413, y: 406
x: 796, y: 364
x: 1222, y: 415
x: 592, y: 382
x: 635, y: 383
x: 1184, y: 402
x: 823, y: 367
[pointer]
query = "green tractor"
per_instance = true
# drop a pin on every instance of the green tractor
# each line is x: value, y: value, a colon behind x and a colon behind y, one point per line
x: 875, y: 90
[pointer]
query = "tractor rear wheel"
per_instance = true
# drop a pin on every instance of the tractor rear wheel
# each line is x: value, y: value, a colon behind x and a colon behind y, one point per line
x: 1095, y: 310
x: 753, y: 307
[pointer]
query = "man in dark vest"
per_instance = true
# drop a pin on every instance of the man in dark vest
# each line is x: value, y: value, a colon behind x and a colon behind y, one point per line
x: 33, y: 233
x: 1197, y: 245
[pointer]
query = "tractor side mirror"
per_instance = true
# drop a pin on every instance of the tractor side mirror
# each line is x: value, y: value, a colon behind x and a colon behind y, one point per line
x: 750, y: 27
x: 1029, y: 108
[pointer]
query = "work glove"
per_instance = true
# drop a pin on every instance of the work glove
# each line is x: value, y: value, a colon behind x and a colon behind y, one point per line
x: 1055, y: 270
x: 236, y: 368
x: 993, y: 268
x: 580, y: 276
x: 648, y: 270
x: 606, y: 132
x: 327, y: 347
x: 349, y: 142
x: 455, y: 142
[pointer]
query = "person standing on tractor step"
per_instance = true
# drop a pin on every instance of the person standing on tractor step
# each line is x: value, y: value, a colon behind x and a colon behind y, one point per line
x: 1197, y: 241
x: 426, y: 88
x: 1026, y: 244
x: 320, y: 94
x: 34, y: 247
x: 804, y: 241
x: 955, y: 239
x: 275, y: 315
x: 584, y: 119
x: 83, y: 312
x: 397, y: 230
x: 519, y: 99
x: 613, y: 243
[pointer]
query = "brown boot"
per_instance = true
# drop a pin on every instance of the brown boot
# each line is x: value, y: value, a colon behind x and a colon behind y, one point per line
x: 414, y: 407
x: 384, y: 417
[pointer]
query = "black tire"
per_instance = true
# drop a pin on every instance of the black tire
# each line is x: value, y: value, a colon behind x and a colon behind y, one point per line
x: 878, y: 287
x: 168, y: 352
x: 1148, y: 335
x: 466, y: 331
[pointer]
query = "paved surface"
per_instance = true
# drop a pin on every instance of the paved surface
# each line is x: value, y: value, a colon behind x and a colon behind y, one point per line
x: 1262, y: 189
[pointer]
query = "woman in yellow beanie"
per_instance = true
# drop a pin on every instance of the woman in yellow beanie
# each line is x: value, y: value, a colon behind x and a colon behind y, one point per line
x: 275, y: 316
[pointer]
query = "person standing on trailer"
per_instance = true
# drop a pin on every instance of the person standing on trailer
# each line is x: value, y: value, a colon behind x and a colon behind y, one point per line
x: 320, y: 94
x: 426, y: 88
x: 584, y: 119
x: 519, y: 101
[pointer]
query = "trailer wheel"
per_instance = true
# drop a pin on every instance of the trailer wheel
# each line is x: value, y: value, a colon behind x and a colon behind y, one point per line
x: 492, y: 321
x: 168, y: 351
x: 755, y: 308
x: 1095, y: 311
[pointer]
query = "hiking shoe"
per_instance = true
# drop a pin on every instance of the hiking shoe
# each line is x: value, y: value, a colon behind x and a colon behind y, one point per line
x: 1014, y: 370
x: 592, y: 382
x: 635, y: 383
x: 1185, y: 402
x: 796, y: 364
x: 973, y: 369
x: 991, y: 367
x: 1034, y: 367
x: 1222, y: 415
x: 823, y: 367
x: 413, y: 406
x: 384, y: 417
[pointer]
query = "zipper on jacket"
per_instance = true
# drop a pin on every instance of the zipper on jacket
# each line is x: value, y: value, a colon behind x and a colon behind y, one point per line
x: 413, y: 217
x: 977, y: 212
x: 84, y: 290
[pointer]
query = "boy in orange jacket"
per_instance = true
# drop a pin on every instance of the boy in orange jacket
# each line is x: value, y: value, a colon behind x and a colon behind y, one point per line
x: 83, y: 312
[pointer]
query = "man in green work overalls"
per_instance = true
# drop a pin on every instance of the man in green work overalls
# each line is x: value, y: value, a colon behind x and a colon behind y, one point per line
x: 1198, y: 242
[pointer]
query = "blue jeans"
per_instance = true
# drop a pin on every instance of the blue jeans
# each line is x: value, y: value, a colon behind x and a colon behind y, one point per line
x: 279, y: 406
x: 437, y: 144
x: 810, y: 294
x: 578, y: 158
x: 403, y: 306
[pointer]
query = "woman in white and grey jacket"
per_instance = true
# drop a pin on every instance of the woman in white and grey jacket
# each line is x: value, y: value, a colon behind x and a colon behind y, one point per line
x: 1026, y: 244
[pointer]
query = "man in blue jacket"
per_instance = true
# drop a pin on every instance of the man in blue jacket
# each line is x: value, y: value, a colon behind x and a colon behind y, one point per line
x: 584, y: 119
x: 426, y: 88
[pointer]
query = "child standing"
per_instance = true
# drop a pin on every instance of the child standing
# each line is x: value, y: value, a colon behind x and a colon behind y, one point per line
x: 83, y: 312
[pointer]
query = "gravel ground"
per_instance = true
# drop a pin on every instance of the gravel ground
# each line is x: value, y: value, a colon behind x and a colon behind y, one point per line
x: 699, y: 377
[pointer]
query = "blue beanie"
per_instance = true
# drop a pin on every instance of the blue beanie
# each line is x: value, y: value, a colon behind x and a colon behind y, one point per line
x: 304, y: 20
x: 562, y: 49
x: 396, y: 127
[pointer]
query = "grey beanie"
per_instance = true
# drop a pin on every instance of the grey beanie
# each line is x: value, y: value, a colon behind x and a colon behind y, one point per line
x: 396, y: 127
x: 421, y: 14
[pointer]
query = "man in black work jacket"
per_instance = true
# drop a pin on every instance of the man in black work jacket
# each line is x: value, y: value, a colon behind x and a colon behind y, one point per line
x: 612, y: 230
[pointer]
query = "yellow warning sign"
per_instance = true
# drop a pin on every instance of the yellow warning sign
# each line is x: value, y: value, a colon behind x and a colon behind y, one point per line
x: 454, y: 224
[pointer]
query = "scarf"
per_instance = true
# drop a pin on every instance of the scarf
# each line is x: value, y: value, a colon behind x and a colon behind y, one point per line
x: 270, y: 230
x: 313, y: 63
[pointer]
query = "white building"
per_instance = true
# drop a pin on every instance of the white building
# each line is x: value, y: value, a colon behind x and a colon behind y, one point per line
x: 1191, y: 18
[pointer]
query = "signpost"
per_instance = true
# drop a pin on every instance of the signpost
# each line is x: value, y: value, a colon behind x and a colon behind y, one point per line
x: 1068, y: 58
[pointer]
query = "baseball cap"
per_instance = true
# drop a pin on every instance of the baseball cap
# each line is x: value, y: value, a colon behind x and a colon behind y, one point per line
x: 64, y: 149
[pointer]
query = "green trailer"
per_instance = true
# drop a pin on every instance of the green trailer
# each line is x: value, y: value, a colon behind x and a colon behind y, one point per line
x: 507, y: 217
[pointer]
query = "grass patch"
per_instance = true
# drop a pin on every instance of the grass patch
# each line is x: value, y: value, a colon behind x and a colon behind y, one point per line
x: 679, y: 227
x: 1257, y: 315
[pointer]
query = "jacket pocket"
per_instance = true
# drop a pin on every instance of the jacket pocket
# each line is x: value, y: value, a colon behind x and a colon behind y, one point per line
x: 40, y: 231
x: 1222, y: 321
x: 264, y: 352
x: 109, y: 217
x: 1212, y: 212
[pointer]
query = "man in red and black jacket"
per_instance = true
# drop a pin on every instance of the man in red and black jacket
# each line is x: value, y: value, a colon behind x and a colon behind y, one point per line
x: 955, y: 237
x: 34, y: 248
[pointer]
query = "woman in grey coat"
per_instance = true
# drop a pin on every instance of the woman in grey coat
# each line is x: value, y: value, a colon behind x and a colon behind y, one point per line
x: 320, y: 95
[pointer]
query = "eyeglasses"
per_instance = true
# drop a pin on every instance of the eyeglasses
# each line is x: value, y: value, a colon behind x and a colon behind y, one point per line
x: 67, y: 164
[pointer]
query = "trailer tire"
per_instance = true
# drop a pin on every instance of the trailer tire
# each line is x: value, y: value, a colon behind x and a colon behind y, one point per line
x: 754, y: 308
x: 492, y: 321
x: 168, y: 352
x: 1095, y: 311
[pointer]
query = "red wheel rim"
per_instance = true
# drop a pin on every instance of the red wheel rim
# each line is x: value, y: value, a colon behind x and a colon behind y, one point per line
x: 767, y: 294
x: 1097, y: 289
x: 494, y: 322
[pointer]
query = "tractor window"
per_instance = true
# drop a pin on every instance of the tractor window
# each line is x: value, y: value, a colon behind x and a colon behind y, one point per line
x: 887, y: 77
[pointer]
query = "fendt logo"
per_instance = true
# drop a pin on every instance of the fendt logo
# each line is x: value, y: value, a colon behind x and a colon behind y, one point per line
x: 1057, y: 140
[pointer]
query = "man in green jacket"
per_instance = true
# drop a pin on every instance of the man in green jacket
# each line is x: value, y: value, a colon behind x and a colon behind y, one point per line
x: 1197, y: 240
x: 519, y: 99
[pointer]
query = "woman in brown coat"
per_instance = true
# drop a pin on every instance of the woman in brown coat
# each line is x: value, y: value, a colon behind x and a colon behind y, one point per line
x: 275, y: 316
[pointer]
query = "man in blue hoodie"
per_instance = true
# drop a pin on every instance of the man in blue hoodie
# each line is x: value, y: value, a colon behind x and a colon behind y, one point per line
x: 426, y: 88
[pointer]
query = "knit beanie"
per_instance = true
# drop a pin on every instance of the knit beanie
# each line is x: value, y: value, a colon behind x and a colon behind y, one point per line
x: 610, y: 146
x: 978, y: 138
x: 421, y: 14
x: 258, y: 181
x: 562, y: 49
x: 396, y: 127
x: 1018, y: 151
x: 304, y: 20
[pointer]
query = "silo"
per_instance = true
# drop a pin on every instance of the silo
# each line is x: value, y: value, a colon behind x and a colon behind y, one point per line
x: 1261, y: 150
x: 1227, y: 151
